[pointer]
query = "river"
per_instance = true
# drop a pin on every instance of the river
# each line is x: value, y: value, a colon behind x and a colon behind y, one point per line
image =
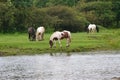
x: 102, y: 65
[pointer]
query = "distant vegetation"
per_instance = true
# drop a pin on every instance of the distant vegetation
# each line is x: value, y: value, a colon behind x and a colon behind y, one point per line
x: 73, y: 15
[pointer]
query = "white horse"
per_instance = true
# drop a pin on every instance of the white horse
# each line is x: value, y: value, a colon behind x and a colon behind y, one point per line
x: 40, y: 33
x: 92, y: 28
x: 58, y: 36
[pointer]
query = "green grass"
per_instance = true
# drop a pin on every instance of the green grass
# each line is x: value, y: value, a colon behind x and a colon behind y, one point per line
x: 18, y: 44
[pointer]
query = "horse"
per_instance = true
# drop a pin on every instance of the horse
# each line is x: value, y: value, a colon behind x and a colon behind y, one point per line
x: 40, y: 33
x: 59, y: 36
x: 92, y: 28
x: 31, y: 33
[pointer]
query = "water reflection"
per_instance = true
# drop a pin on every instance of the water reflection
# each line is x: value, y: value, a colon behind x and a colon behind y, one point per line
x: 59, y: 54
x: 90, y: 66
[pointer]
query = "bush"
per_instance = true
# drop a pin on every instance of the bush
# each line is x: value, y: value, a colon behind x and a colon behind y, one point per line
x: 66, y: 18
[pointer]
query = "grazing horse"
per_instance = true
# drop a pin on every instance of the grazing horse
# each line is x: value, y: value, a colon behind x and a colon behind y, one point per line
x: 59, y: 36
x: 92, y: 28
x: 40, y: 33
x: 31, y: 33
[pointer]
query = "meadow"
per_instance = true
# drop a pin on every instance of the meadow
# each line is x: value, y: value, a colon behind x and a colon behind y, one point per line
x: 18, y: 43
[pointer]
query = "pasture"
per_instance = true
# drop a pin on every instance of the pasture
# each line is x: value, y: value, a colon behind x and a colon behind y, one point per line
x: 18, y: 43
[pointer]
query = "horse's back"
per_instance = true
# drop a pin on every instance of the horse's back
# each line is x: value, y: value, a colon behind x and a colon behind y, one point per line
x: 91, y: 26
x: 56, y: 34
x: 41, y: 29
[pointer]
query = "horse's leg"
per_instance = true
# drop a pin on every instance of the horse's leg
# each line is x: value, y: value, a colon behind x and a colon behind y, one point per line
x: 32, y: 37
x: 36, y: 36
x: 39, y: 36
x: 94, y: 30
x: 89, y: 30
x: 68, y: 42
x: 54, y: 43
x: 60, y: 43
x: 43, y: 36
x: 29, y: 37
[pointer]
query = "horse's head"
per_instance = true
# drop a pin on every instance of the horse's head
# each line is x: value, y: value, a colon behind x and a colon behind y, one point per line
x: 64, y: 34
x: 51, y: 43
x: 67, y: 35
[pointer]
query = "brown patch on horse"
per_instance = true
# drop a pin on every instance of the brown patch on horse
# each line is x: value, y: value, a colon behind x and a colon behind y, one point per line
x: 55, y: 38
x: 39, y: 33
x: 65, y: 35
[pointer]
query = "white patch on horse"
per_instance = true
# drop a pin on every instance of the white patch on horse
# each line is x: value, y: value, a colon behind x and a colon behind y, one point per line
x: 40, y: 33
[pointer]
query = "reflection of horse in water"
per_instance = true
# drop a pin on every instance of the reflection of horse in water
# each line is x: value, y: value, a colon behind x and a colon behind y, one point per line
x: 31, y: 33
x: 92, y: 28
x: 58, y: 36
x: 40, y: 33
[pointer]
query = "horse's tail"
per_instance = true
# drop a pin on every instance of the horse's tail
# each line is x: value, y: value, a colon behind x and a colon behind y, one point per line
x: 97, y: 28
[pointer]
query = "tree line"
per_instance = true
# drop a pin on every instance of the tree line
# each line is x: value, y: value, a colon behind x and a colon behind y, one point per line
x: 73, y: 15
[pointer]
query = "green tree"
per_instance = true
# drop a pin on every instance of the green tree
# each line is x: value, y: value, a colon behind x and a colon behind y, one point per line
x: 116, y: 9
x: 67, y: 18
x: 22, y: 3
x: 98, y: 12
x: 6, y: 17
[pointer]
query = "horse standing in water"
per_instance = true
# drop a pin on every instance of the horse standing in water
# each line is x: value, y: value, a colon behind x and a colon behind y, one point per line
x: 40, y: 33
x: 58, y: 36
x: 31, y: 33
x: 92, y: 28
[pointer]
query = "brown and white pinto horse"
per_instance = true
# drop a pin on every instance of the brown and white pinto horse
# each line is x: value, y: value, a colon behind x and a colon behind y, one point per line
x: 40, y: 33
x: 59, y: 36
x: 31, y: 33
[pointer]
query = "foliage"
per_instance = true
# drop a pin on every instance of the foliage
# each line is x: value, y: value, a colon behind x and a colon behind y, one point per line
x: 73, y: 15
x: 66, y: 18
x: 98, y: 12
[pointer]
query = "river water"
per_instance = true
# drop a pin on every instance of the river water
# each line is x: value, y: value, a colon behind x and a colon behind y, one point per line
x: 102, y: 65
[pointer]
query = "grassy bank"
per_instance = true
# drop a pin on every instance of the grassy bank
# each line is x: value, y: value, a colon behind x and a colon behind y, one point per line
x: 18, y: 44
